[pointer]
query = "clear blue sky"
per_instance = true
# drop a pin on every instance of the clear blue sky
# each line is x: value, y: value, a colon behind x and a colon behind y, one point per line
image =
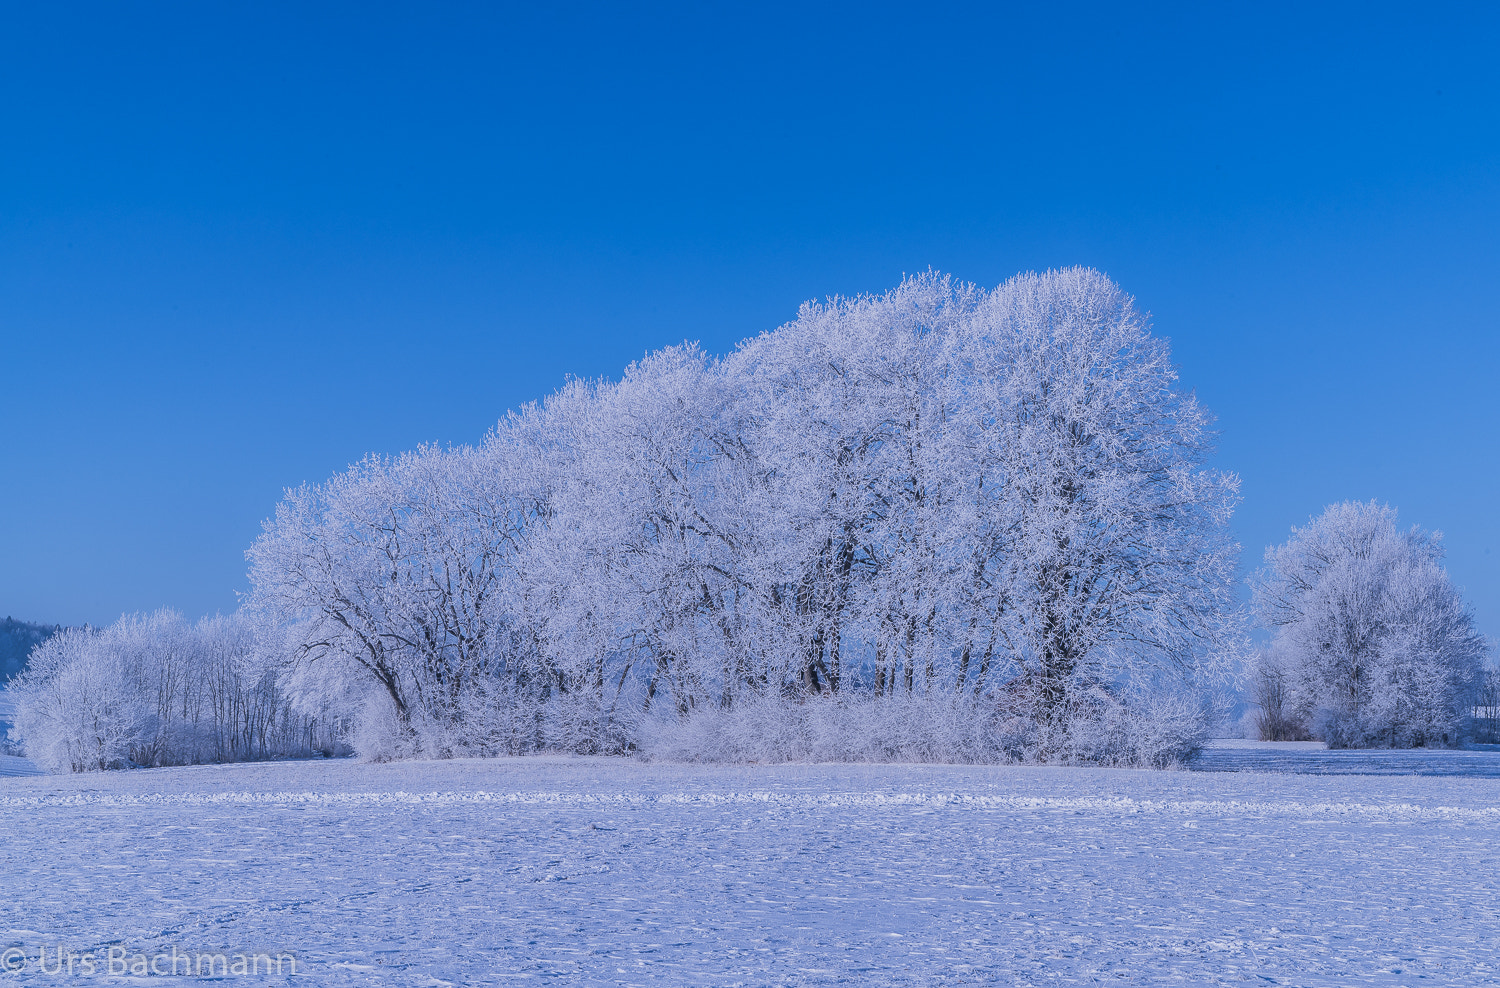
x: 241, y: 246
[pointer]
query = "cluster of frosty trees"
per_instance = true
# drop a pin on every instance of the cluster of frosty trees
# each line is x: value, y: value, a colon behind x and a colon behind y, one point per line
x: 938, y: 524
x: 157, y: 690
x: 1373, y: 645
x: 941, y: 522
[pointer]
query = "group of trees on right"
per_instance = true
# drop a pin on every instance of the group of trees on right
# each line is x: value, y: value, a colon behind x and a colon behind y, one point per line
x: 1373, y: 645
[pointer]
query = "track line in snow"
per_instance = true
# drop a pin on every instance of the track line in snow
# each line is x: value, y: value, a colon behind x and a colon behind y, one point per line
x: 769, y: 799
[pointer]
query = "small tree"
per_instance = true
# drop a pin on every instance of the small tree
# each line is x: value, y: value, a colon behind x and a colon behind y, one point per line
x: 1378, y: 646
x: 1487, y: 707
x: 1271, y: 690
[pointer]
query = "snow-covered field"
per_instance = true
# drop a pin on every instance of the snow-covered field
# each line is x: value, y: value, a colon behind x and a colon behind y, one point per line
x: 1313, y: 757
x: 583, y: 871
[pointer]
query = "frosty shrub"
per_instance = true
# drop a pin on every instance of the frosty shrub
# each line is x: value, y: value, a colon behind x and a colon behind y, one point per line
x: 495, y: 719
x: 827, y: 728
x: 1374, y: 646
x: 76, y: 708
x: 156, y: 690
x: 1157, y: 731
x: 1152, y: 729
x: 1148, y: 725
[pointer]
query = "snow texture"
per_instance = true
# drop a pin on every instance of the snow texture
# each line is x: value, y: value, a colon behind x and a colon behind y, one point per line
x: 606, y: 872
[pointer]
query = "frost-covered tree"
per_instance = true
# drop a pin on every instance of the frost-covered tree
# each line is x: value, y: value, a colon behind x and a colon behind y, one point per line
x: 631, y: 576
x: 1377, y: 645
x: 76, y: 709
x: 1113, y: 555
x: 392, y: 575
x: 842, y: 410
x: 155, y: 689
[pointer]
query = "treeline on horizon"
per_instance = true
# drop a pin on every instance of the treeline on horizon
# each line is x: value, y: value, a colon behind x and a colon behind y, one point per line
x: 17, y: 639
x: 941, y: 524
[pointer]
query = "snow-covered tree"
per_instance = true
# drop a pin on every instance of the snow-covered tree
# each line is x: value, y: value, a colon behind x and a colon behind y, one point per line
x: 393, y: 575
x: 75, y: 708
x: 842, y: 410
x: 1112, y: 555
x: 154, y: 689
x: 1376, y: 643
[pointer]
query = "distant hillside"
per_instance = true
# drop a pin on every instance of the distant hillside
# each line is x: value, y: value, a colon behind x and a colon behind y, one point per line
x: 17, y: 639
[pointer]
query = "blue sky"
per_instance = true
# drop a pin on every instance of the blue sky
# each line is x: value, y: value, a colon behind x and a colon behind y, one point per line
x: 239, y: 248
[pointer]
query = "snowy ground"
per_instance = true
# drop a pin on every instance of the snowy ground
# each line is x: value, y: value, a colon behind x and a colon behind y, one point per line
x: 10, y: 765
x: 1314, y: 758
x: 597, y: 872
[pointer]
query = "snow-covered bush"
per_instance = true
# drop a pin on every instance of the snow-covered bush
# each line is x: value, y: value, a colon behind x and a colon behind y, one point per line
x: 827, y: 728
x: 492, y: 720
x: 931, y: 727
x: 77, y: 708
x: 1374, y: 646
x: 1155, y: 730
